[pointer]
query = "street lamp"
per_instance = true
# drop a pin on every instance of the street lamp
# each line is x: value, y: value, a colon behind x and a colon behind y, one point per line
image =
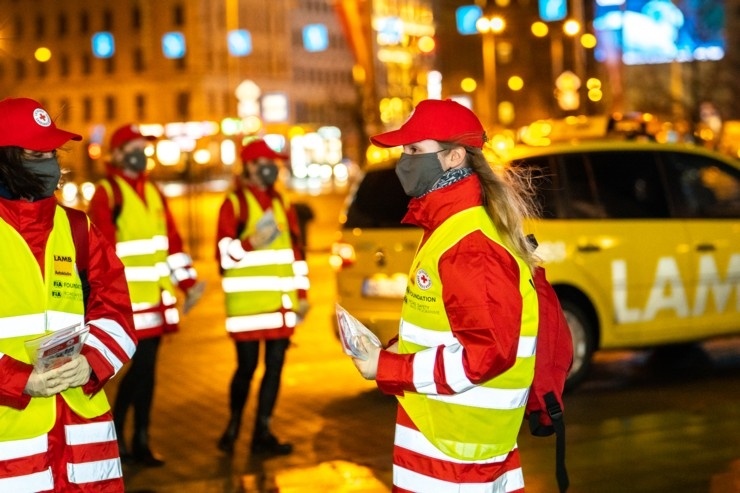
x: 489, y: 27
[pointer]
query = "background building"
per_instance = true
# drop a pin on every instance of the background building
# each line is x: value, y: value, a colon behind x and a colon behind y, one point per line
x: 176, y: 65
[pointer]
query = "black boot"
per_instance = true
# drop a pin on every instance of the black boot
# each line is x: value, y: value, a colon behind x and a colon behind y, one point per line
x: 226, y: 442
x: 142, y: 454
x: 265, y: 443
x: 123, y: 451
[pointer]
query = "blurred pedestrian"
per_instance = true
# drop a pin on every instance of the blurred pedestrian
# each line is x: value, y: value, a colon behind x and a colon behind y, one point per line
x: 462, y: 363
x: 265, y: 279
x: 56, y: 271
x: 132, y: 213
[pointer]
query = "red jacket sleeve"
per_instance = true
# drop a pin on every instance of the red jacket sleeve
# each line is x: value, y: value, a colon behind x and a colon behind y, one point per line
x: 483, y: 304
x: 14, y: 375
x: 112, y: 338
x: 176, y: 247
x: 101, y: 214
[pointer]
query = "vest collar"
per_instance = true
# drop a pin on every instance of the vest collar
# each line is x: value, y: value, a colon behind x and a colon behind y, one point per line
x: 432, y: 209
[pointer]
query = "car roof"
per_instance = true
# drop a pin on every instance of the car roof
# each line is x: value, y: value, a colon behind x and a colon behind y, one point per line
x: 523, y: 151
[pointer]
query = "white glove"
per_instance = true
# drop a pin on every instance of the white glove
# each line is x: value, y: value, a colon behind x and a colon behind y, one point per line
x: 45, y: 384
x: 76, y: 373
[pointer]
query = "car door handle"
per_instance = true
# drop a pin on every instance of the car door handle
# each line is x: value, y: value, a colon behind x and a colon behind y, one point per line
x: 705, y: 247
x: 589, y: 248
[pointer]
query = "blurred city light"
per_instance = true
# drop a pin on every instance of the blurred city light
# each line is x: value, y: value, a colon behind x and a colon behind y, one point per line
x: 468, y: 84
x: 103, y: 44
x: 168, y: 152
x: 315, y: 37
x: 515, y: 83
x: 42, y: 54
x: 240, y: 42
x: 173, y: 45
x: 540, y: 29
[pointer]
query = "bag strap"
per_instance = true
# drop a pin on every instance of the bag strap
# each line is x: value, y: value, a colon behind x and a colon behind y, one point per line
x: 117, y: 199
x: 81, y: 239
x: 242, y: 200
x: 556, y: 415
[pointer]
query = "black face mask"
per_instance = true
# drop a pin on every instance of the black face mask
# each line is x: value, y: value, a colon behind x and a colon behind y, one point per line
x: 419, y: 172
x: 268, y: 173
x: 47, y: 172
x: 135, y: 160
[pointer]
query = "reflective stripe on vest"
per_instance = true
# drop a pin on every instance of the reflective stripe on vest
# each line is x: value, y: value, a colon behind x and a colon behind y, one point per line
x: 142, y: 245
x: 260, y: 283
x: 33, y: 305
x: 483, y: 421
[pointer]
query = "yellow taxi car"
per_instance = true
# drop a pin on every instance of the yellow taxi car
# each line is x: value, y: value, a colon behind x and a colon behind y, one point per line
x: 640, y: 240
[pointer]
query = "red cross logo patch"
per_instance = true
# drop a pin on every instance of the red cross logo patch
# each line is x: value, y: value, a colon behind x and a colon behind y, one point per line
x: 41, y: 117
x: 423, y: 280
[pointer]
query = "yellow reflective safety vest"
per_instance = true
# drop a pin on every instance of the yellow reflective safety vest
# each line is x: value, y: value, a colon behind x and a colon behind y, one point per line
x: 142, y: 244
x: 262, y: 283
x: 33, y: 305
x: 484, y: 421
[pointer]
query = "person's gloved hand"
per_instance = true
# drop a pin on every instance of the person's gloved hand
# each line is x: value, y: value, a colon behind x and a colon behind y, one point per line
x: 264, y: 235
x: 76, y: 372
x: 368, y: 368
x: 45, y: 384
x: 193, y: 295
x: 303, y: 307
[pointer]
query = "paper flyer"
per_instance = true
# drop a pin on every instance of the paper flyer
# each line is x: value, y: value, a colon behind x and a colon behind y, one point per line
x: 52, y: 350
x: 350, y: 331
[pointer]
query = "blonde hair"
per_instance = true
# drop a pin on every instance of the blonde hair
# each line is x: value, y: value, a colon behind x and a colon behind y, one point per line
x: 508, y: 196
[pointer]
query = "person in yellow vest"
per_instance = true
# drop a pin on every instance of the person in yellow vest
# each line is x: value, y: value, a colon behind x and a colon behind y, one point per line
x: 57, y: 275
x: 463, y: 362
x: 133, y: 215
x: 265, y: 280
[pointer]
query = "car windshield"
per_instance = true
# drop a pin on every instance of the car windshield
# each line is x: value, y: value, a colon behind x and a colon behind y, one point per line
x: 379, y: 201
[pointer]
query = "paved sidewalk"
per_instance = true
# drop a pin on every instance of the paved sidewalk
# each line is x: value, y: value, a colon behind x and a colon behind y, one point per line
x: 331, y: 415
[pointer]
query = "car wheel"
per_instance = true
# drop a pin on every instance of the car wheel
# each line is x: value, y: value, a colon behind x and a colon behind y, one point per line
x: 583, y: 331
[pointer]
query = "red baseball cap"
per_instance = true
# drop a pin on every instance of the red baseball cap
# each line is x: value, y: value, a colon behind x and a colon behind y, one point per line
x: 435, y: 119
x: 259, y: 148
x: 25, y: 123
x: 125, y: 134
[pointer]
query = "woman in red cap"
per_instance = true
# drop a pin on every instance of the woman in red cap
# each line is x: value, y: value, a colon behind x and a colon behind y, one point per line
x: 134, y: 215
x: 462, y: 364
x: 56, y: 272
x: 265, y: 279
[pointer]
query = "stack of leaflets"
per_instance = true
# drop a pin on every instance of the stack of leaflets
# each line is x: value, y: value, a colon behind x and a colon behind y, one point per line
x: 350, y: 331
x: 268, y: 225
x: 53, y: 349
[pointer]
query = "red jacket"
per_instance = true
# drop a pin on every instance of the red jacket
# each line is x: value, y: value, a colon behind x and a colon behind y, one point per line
x: 101, y: 214
x: 108, y: 299
x: 481, y: 296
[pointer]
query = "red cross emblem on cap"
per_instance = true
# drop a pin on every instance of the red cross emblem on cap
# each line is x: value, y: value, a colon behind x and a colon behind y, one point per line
x: 41, y: 117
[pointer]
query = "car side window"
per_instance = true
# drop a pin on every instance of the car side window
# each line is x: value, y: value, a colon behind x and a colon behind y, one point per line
x: 579, y: 188
x: 629, y: 184
x: 378, y: 202
x: 703, y: 187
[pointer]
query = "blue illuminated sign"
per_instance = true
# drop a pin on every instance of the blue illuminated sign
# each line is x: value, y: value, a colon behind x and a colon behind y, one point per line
x: 466, y: 17
x: 553, y: 10
x: 240, y: 42
x: 678, y: 31
x: 103, y: 45
x: 173, y: 45
x: 315, y: 37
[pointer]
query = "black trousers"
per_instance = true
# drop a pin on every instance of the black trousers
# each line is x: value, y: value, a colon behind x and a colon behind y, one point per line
x: 247, y: 356
x: 137, y: 387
